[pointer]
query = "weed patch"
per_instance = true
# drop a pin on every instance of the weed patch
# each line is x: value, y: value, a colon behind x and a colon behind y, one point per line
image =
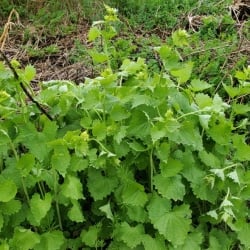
x: 146, y: 155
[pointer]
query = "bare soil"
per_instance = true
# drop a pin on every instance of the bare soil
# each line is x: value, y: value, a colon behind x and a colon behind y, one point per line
x: 57, y: 65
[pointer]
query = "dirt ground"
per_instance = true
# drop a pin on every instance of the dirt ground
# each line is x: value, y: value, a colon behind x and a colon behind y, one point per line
x: 57, y: 65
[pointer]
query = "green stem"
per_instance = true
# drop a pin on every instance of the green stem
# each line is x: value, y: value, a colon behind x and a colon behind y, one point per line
x: 41, y: 189
x: 57, y: 204
x: 1, y: 164
x: 105, y: 49
x: 151, y: 170
x: 191, y: 113
x: 25, y: 190
x: 231, y: 166
x: 102, y: 146
x: 17, y: 158
x: 59, y: 216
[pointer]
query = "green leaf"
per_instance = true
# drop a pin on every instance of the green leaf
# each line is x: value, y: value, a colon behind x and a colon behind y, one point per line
x: 86, y: 122
x: 108, y: 80
x: 139, y: 99
x: 136, y: 213
x: 203, y: 100
x: 242, y: 149
x: 100, y: 185
x: 98, y: 57
x: 171, y: 125
x: 99, y: 130
x: 213, y: 214
x: 170, y: 187
x: 243, y: 234
x: 114, y: 245
x: 92, y: 98
x: 163, y: 151
x: 25, y: 163
x: 72, y: 188
x: 120, y: 134
x: 74, y: 243
x: 75, y: 212
x: 133, y: 194
x: 188, y: 134
x: 131, y: 68
x: 138, y: 125
x: 131, y: 236
x: 203, y: 189
x: 4, y: 72
x: 8, y: 190
x: 11, y: 207
x: 32, y: 139
x: 197, y: 177
x: 173, y: 225
x: 180, y: 102
x: 193, y: 241
x: 1, y: 222
x: 204, y: 120
x: 52, y: 240
x: 232, y: 91
x: 171, y: 168
x: 198, y: 85
x: 82, y: 148
x: 157, y: 209
x: 121, y: 149
x: 169, y: 57
x: 178, y: 225
x: 107, y: 210
x: 4, y: 246
x: 136, y: 146
x: 221, y: 132
x: 119, y: 113
x: 219, y: 240
x: 110, y: 32
x: 94, y: 33
x: 150, y: 243
x: 200, y: 184
x: 209, y: 159
x: 25, y: 239
x: 158, y: 131
x: 183, y: 74
x: 180, y: 38
x: 49, y: 129
x: 78, y: 163
x: 240, y: 109
x: 60, y: 159
x: 4, y: 138
x: 4, y: 96
x: 161, y: 129
x: 234, y: 176
x: 90, y: 236
x: 218, y: 105
x: 244, y: 74
x: 40, y: 207
x: 29, y: 73
x: 219, y: 173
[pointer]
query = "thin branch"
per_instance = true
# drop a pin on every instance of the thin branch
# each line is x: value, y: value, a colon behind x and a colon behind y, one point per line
x: 27, y: 93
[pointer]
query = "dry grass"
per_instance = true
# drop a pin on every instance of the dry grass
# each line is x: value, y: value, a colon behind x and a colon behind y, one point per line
x: 7, y: 27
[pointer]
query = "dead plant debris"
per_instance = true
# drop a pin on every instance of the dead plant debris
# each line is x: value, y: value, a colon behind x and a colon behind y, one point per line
x: 16, y: 40
x: 54, y: 65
